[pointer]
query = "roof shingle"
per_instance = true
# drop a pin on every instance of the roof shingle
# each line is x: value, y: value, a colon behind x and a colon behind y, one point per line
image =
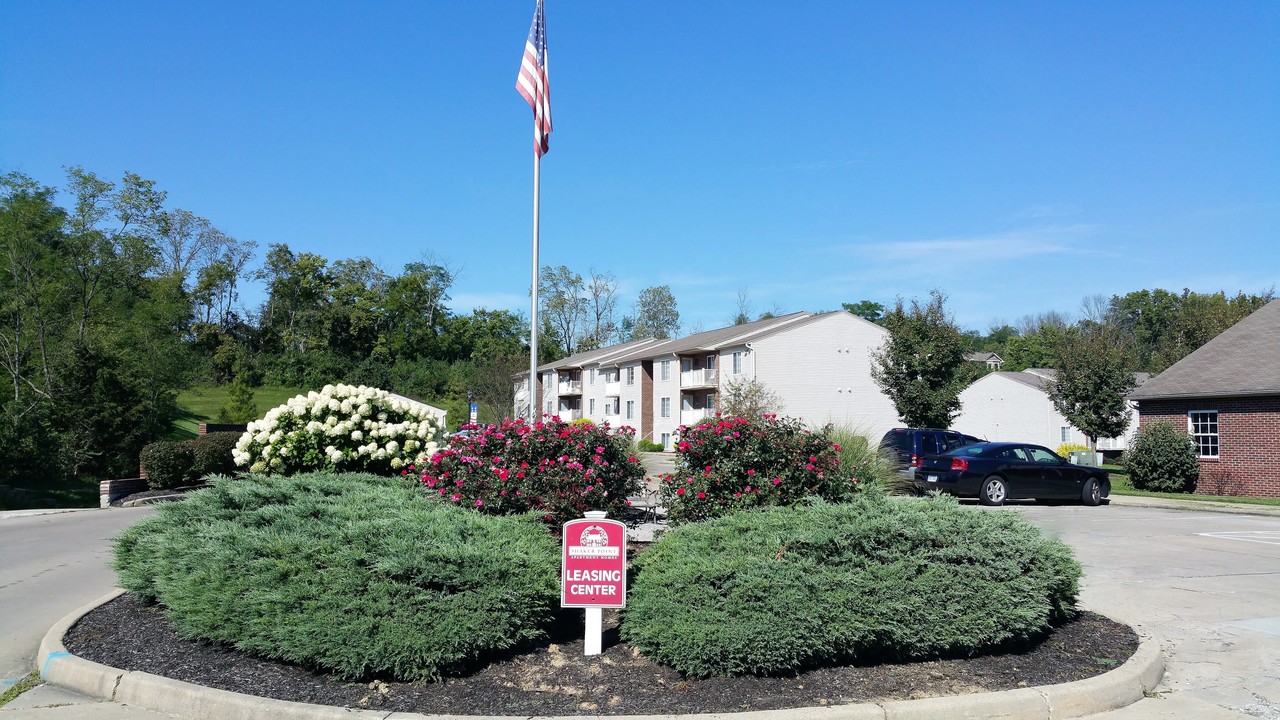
x: 1243, y: 360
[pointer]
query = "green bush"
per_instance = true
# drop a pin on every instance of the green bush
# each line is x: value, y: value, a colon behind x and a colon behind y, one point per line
x: 649, y: 446
x: 167, y: 464
x: 1162, y: 459
x: 358, y: 575
x: 553, y: 468
x: 212, y: 455
x: 729, y: 464
x: 777, y: 590
x: 861, y: 461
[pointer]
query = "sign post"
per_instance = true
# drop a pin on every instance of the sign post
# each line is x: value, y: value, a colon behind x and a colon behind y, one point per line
x: 594, y: 571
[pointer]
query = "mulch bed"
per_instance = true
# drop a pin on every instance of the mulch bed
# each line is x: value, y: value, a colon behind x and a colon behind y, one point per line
x: 558, y: 680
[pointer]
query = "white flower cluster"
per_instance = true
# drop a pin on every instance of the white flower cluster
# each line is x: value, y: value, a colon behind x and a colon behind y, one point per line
x: 342, y: 427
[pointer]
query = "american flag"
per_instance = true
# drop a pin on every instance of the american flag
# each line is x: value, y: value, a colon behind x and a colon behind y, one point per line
x: 532, y: 81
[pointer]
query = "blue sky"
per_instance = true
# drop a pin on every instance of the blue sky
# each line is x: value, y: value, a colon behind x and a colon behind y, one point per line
x: 1018, y: 156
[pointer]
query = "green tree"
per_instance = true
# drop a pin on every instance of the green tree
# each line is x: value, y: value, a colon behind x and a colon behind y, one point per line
x: 655, y: 314
x: 918, y: 367
x: 563, y: 303
x: 1092, y: 380
x: 749, y: 399
x: 867, y: 310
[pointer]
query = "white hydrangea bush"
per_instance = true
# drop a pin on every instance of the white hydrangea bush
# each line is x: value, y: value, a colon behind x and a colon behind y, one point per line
x: 341, y: 428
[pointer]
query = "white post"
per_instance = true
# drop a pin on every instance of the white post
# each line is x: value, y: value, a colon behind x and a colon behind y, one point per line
x: 594, y: 616
x: 595, y: 626
x: 533, y: 287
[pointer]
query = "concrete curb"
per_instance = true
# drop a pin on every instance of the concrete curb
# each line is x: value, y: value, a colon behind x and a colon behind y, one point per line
x: 1120, y: 687
x: 1193, y: 505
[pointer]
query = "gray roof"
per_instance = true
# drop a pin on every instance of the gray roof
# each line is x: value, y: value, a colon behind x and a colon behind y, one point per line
x: 1042, y: 378
x: 591, y: 357
x: 983, y: 357
x: 1039, y: 382
x: 710, y: 340
x: 1243, y: 360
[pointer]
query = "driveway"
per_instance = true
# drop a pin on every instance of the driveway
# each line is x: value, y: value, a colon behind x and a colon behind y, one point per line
x: 1206, y: 583
x: 51, y: 564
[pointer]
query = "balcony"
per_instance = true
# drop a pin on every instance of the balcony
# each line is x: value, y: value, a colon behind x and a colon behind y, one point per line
x: 698, y: 378
x: 689, y: 417
x: 613, y: 389
x: 569, y: 387
x: 570, y: 414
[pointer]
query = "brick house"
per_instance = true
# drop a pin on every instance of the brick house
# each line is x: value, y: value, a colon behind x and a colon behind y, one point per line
x: 1227, y: 396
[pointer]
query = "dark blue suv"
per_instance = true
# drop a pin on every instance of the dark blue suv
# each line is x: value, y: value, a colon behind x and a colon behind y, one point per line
x: 909, y: 446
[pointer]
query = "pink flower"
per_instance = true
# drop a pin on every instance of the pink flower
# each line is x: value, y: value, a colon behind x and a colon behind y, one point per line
x: 751, y: 472
x: 809, y: 466
x: 777, y: 481
x: 701, y: 495
x: 680, y: 491
x: 600, y: 450
x: 479, y: 503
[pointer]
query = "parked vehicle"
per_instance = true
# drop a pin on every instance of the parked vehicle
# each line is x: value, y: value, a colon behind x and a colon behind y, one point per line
x: 911, y: 445
x: 995, y: 472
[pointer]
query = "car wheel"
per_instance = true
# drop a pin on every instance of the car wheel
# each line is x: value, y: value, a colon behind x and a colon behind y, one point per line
x: 1092, y: 493
x: 994, y: 491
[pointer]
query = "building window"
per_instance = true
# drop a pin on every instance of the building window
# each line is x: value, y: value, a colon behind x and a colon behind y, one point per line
x: 593, y: 376
x: 666, y: 440
x: 1066, y: 434
x: 737, y: 362
x: 711, y: 401
x: 631, y: 375
x: 592, y: 406
x: 666, y: 369
x: 711, y: 362
x: 666, y: 407
x: 1203, y: 425
x: 631, y: 409
x: 548, y: 407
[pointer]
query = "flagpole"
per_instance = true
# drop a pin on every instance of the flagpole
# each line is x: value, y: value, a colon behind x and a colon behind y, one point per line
x: 533, y: 313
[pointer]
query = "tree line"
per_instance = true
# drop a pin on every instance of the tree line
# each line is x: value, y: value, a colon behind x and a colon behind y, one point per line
x: 112, y: 301
x: 923, y: 367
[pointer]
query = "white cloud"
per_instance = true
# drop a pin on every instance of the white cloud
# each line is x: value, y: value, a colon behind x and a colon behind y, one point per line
x: 1015, y: 244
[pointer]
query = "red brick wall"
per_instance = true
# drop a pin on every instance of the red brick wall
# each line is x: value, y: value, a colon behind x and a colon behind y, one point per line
x: 1248, y: 461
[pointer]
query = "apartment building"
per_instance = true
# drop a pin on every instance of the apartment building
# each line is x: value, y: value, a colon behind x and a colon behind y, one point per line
x: 818, y: 364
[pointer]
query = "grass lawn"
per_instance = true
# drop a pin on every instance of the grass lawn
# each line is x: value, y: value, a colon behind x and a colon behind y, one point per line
x: 1120, y: 485
x: 201, y: 405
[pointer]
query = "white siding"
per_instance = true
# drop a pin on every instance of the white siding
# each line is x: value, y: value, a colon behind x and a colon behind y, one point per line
x: 669, y: 388
x: 822, y: 371
x: 997, y: 408
x: 632, y: 393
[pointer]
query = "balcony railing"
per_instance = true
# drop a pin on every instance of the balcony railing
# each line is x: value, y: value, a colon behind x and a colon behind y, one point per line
x: 689, y: 417
x: 697, y: 378
x: 570, y: 414
x: 569, y: 387
x: 612, y: 389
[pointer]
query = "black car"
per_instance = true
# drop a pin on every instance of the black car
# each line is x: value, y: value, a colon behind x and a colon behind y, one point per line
x: 997, y: 471
x: 910, y: 445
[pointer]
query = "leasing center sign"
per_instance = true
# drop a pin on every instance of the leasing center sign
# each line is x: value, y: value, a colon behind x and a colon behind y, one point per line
x: 594, y: 564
